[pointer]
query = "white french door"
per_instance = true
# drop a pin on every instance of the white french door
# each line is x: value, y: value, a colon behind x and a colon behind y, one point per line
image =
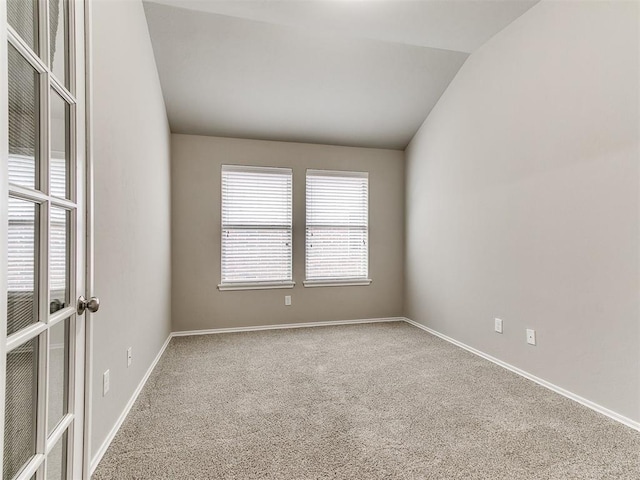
x: 43, y: 228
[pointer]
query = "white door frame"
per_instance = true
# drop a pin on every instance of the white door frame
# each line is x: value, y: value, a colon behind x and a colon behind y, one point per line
x: 89, y: 243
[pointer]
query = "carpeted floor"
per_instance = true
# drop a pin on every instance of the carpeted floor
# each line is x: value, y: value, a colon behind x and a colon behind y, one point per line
x: 374, y: 401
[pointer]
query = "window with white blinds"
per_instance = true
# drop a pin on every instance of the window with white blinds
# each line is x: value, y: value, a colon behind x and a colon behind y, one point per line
x: 256, y: 227
x: 23, y: 229
x: 337, y: 233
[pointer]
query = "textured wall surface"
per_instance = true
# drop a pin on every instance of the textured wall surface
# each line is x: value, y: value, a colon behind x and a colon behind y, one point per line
x: 132, y: 207
x: 522, y: 201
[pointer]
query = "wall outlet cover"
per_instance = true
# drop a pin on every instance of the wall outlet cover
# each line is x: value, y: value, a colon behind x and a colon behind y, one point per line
x: 287, y: 300
x: 531, y: 336
x: 498, y: 325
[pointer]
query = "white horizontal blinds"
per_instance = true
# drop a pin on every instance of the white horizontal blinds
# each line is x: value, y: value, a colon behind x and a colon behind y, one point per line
x: 21, y: 170
x: 337, y: 233
x: 21, y: 228
x: 256, y: 224
x: 22, y: 245
x: 58, y: 249
x: 58, y: 174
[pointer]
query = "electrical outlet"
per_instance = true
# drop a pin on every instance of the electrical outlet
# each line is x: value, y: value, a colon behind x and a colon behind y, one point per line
x: 129, y: 356
x: 287, y: 300
x: 498, y: 325
x: 105, y: 383
x: 531, y: 336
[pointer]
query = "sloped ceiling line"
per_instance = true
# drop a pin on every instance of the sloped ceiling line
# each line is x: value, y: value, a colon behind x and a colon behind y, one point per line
x: 344, y: 73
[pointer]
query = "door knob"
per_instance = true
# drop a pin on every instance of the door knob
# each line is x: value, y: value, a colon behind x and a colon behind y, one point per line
x: 93, y: 304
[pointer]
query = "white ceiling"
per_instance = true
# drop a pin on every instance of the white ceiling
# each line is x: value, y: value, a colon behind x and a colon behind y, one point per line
x: 361, y: 73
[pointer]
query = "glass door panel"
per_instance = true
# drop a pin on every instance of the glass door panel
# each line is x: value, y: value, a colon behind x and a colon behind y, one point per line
x: 24, y: 121
x: 57, y: 460
x: 58, y: 34
x: 59, y: 161
x: 59, y: 229
x: 21, y: 397
x: 58, y: 373
x: 22, y: 274
x: 22, y: 15
x: 45, y: 244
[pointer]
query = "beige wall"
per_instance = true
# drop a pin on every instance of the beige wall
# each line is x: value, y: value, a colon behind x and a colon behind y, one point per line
x: 522, y: 201
x: 132, y: 208
x: 195, y: 175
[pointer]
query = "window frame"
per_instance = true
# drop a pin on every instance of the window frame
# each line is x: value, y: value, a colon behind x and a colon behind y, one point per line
x: 337, y: 281
x: 253, y: 284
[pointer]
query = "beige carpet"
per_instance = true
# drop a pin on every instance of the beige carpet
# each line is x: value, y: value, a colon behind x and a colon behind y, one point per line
x: 376, y: 401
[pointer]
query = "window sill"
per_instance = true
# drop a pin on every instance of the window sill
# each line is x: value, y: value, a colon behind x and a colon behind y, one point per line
x: 337, y: 283
x: 255, y: 286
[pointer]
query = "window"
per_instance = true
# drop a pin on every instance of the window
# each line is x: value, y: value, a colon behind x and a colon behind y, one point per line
x: 256, y: 227
x: 337, y: 228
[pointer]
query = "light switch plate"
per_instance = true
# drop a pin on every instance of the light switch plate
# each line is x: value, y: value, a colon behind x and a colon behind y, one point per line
x: 498, y: 325
x: 105, y: 383
x: 287, y: 300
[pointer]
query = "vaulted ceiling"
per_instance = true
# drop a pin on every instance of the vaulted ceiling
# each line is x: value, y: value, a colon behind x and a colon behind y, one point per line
x: 360, y: 73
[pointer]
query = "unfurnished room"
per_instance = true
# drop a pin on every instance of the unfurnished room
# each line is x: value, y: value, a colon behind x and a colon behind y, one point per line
x: 320, y: 239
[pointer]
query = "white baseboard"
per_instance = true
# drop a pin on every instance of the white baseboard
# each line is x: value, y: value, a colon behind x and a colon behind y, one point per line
x: 112, y: 433
x: 213, y: 331
x: 565, y: 393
